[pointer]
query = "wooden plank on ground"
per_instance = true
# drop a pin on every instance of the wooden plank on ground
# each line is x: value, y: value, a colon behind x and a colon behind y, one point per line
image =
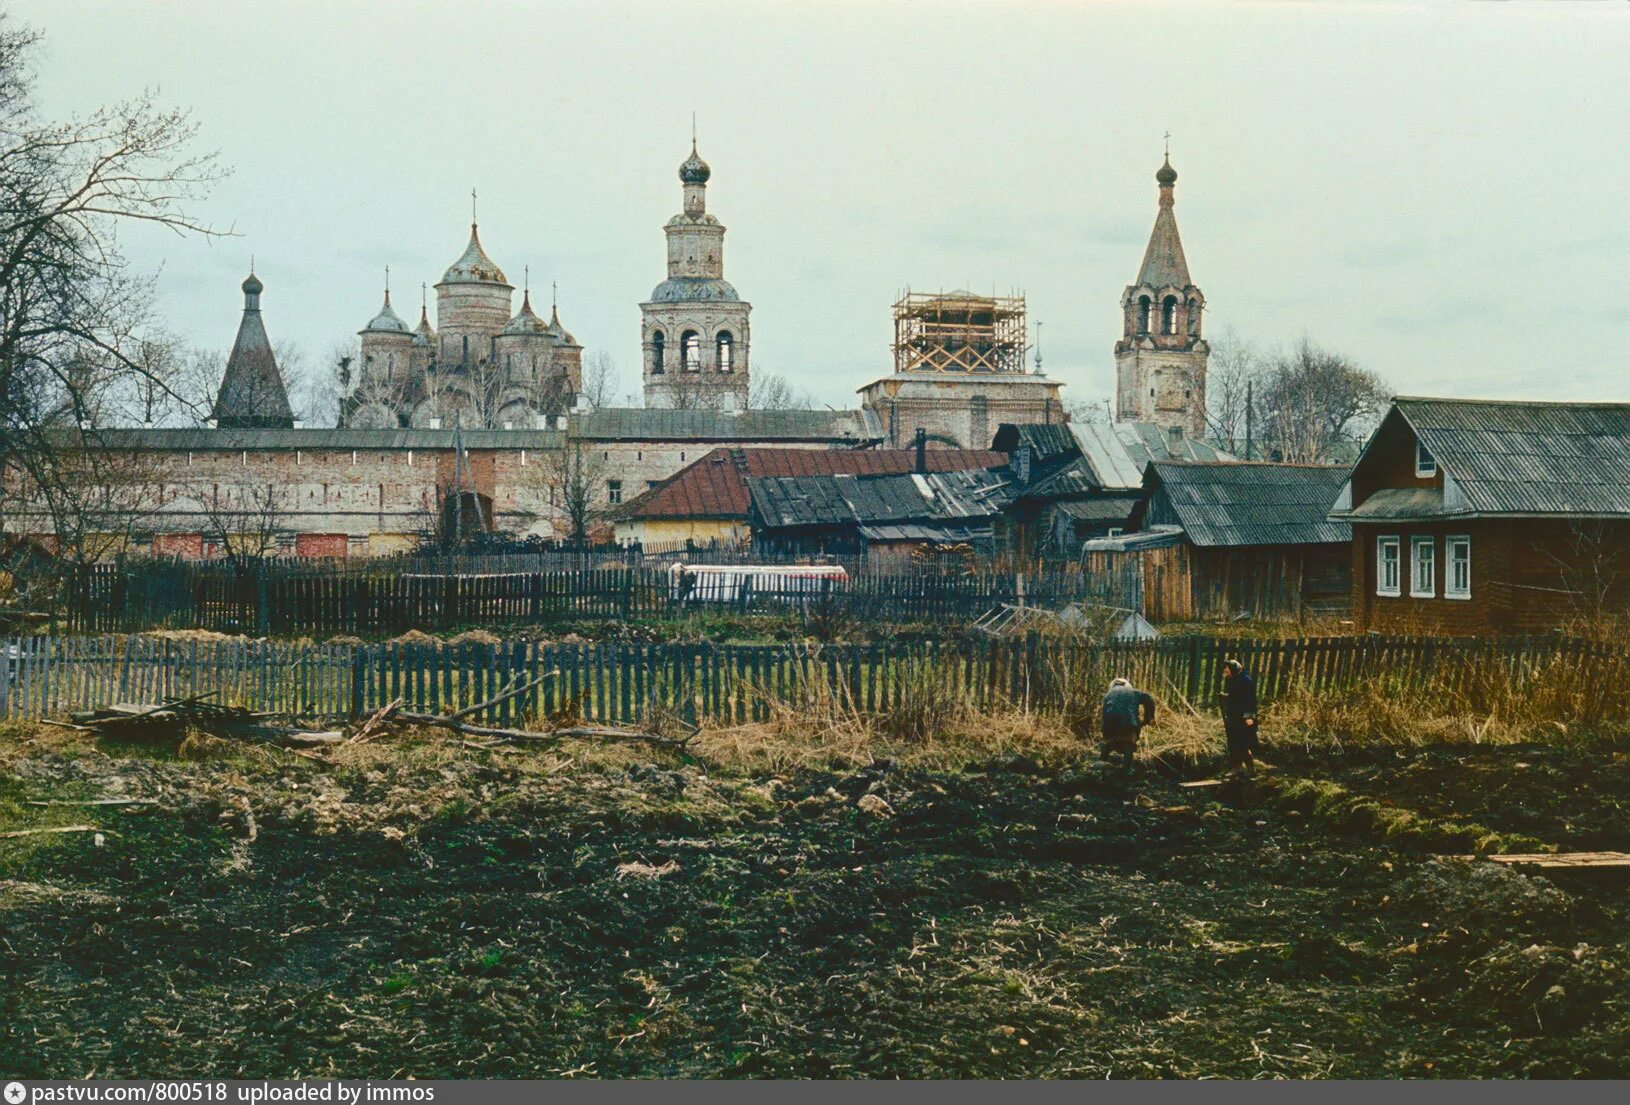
x: 1557, y: 860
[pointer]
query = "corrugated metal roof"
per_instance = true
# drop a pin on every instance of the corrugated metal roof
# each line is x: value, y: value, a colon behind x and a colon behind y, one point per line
x: 945, y: 533
x: 1108, y: 509
x: 1238, y: 503
x: 1106, y: 454
x: 716, y: 485
x: 652, y: 424
x: 973, y: 495
x: 1145, y: 441
x: 1528, y: 458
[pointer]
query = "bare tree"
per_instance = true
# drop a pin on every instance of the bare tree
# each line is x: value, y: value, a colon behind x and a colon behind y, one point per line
x: 1306, y: 404
x: 245, y: 518
x: 1088, y: 410
x: 576, y: 482
x: 770, y: 391
x: 97, y: 504
x: 1593, y: 576
x: 75, y: 327
x: 1315, y: 400
x: 1233, y: 371
x: 600, y: 379
x: 688, y: 391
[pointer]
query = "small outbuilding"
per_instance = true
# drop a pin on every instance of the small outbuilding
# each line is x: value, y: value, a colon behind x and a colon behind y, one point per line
x: 1222, y: 539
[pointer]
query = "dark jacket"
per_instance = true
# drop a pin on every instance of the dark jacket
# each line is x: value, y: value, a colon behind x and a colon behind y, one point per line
x: 1239, y: 701
x: 1127, y: 709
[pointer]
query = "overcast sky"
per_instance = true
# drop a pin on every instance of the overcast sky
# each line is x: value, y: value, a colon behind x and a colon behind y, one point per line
x: 1436, y: 189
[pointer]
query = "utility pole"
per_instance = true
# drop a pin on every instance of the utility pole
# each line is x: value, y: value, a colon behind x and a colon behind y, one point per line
x: 1248, y: 406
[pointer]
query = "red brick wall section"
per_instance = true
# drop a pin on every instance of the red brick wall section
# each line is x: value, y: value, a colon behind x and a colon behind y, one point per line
x: 189, y: 546
x: 331, y: 545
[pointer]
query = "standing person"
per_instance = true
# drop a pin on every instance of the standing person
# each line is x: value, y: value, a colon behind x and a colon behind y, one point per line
x: 1239, y: 717
x: 1126, y: 711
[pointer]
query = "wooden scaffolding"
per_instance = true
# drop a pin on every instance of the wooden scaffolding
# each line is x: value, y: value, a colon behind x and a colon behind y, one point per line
x: 959, y: 332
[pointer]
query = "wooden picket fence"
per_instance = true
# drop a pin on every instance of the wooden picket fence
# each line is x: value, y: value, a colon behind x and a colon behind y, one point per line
x: 709, y: 683
x: 291, y: 600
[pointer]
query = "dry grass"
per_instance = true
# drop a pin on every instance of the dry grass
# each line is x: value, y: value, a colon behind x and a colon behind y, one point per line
x: 932, y: 725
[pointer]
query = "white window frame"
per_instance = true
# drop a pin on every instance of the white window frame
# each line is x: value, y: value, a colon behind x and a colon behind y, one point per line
x: 1382, y: 545
x: 614, y: 492
x: 1426, y: 465
x: 1450, y: 591
x: 1427, y: 589
x: 1114, y: 531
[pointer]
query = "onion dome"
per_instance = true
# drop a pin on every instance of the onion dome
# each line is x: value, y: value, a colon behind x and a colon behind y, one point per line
x: 386, y: 321
x: 525, y: 321
x: 253, y: 286
x: 694, y: 170
x: 474, y: 267
x: 1166, y: 176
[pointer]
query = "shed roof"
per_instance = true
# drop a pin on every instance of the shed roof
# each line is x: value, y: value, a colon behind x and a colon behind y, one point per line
x: 1252, y: 502
x: 1112, y: 508
x: 1080, y: 458
x: 716, y: 485
x: 968, y: 496
x: 1527, y: 458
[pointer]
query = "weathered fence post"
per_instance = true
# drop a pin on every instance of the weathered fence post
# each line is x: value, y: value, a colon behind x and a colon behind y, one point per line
x: 359, y: 679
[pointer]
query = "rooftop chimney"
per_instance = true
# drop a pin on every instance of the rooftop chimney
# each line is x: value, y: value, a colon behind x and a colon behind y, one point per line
x: 922, y: 449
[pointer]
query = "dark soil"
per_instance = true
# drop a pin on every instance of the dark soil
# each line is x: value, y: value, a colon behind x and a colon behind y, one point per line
x: 488, y: 919
x: 1577, y: 799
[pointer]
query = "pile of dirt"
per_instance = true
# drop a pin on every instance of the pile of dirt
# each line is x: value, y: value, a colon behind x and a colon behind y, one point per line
x: 431, y: 910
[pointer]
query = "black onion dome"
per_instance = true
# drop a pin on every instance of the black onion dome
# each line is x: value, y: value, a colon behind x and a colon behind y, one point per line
x: 694, y: 170
x: 1166, y: 176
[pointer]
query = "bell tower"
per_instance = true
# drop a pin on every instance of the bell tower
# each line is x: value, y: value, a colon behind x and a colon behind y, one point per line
x: 1160, y: 361
x: 694, y: 328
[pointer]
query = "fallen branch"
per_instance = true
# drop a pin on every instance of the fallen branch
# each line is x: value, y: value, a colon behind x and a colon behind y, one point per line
x: 442, y: 721
x: 504, y: 696
x: 95, y: 802
x: 380, y: 717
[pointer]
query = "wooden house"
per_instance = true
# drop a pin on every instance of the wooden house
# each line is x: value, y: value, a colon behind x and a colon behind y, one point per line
x: 1480, y: 516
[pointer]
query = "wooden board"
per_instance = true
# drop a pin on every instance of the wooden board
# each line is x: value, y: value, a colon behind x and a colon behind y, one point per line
x: 1560, y: 859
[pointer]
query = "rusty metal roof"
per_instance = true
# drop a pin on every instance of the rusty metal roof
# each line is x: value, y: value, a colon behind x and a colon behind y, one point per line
x: 716, y: 485
x: 1252, y: 503
x: 1526, y: 458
